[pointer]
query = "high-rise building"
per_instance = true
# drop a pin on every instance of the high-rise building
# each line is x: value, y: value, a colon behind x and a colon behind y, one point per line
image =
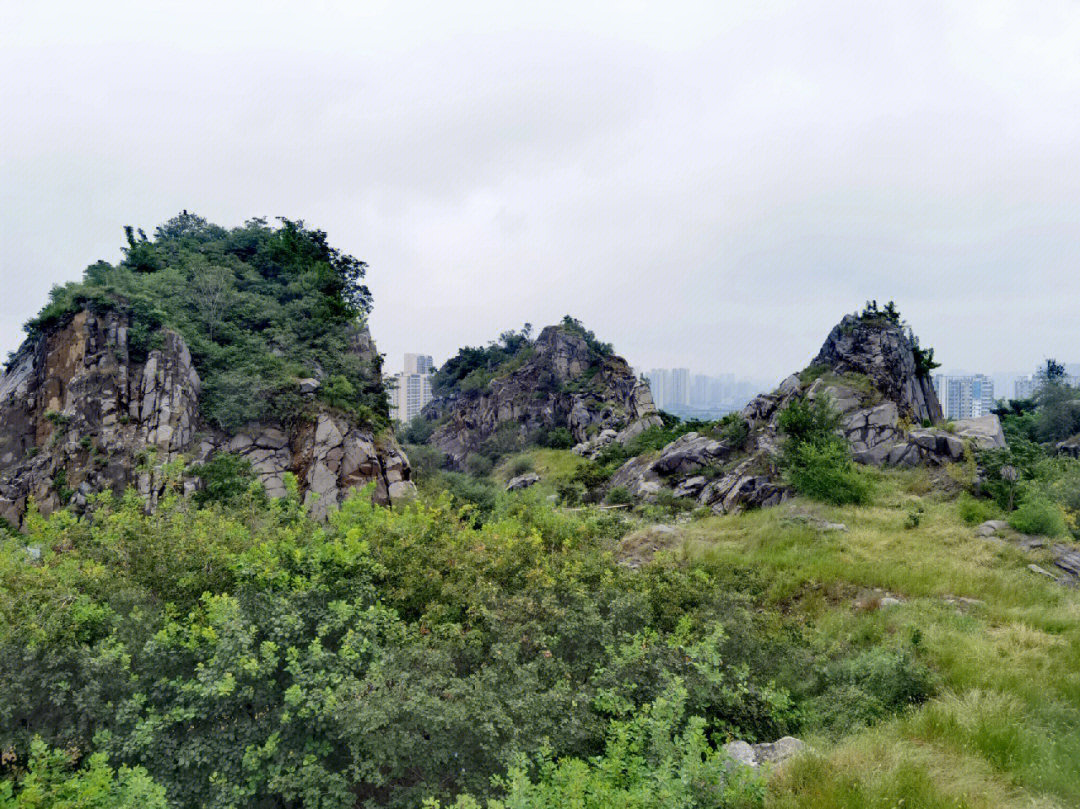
x: 965, y: 397
x: 411, y: 390
x: 1025, y: 386
x: 660, y: 385
x: 418, y: 364
x: 680, y: 386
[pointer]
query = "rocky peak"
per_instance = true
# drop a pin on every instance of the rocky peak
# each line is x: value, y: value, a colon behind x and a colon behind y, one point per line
x: 565, y: 353
x: 566, y: 381
x: 880, y: 350
x: 79, y: 414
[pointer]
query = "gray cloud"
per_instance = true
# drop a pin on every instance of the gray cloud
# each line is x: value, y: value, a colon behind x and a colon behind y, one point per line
x: 712, y: 187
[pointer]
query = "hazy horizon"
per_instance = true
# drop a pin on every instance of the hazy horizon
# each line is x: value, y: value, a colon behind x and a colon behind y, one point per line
x: 710, y: 188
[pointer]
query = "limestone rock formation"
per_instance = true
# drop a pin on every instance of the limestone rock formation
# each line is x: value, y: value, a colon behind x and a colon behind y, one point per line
x: 78, y: 414
x: 562, y: 384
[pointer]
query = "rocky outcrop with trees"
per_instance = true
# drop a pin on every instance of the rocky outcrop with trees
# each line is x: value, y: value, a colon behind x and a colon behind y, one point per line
x: 107, y: 392
x: 563, y: 389
x: 871, y: 379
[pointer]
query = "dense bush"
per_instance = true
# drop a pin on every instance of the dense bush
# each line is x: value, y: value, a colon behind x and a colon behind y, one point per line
x: 246, y: 656
x: 823, y: 470
x: 50, y: 781
x: 258, y: 306
x: 1037, y: 515
x: 816, y: 459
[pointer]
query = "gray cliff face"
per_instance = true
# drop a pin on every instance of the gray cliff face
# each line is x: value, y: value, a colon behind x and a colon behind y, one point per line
x: 78, y: 415
x: 563, y: 384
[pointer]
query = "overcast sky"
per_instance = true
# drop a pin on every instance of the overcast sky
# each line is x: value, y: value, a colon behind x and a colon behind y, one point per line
x: 707, y: 185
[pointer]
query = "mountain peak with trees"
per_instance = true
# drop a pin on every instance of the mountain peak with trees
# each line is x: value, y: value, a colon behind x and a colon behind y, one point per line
x: 202, y: 341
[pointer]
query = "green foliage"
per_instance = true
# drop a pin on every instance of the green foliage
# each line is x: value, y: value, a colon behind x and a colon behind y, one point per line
x: 556, y: 438
x: 619, y: 496
x: 733, y: 430
x: 1037, y: 515
x: 809, y: 420
x: 974, y: 511
x: 418, y: 431
x: 858, y: 690
x: 246, y: 656
x: 596, y: 347
x: 823, y: 470
x: 816, y: 460
x: 654, y: 758
x: 52, y: 781
x: 914, y: 517
x: 258, y: 306
x: 226, y: 478
x: 1058, y: 414
x: 472, y: 368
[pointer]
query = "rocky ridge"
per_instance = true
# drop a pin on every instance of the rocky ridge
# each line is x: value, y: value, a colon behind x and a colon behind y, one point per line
x: 867, y: 368
x: 563, y: 384
x: 79, y: 415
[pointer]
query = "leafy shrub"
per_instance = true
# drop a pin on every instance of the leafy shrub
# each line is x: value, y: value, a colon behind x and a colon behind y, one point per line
x: 817, y: 461
x: 974, y: 511
x: 418, y: 431
x: 733, y: 430
x: 225, y: 478
x: 655, y: 755
x: 824, y: 471
x: 619, y: 496
x: 479, y: 465
x: 519, y: 466
x: 859, y: 690
x: 556, y: 438
x: 52, y: 781
x: 1038, y: 516
x: 808, y: 420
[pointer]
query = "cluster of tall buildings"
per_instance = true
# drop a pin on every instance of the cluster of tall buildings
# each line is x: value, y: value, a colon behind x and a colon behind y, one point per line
x: 677, y: 391
x: 964, y: 397
x: 411, y: 389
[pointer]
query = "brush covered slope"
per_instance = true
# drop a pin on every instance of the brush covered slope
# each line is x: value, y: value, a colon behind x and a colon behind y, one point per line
x: 562, y: 389
x: 202, y: 341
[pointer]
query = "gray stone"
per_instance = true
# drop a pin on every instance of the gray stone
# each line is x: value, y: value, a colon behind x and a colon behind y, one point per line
x: 308, y: 386
x: 522, y: 482
x: 1034, y: 568
x: 984, y: 431
x: 742, y: 752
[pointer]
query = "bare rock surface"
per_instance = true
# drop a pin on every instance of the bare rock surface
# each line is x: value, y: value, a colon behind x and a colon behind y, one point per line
x: 80, y: 414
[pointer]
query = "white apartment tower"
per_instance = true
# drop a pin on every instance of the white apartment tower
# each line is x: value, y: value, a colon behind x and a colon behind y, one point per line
x: 411, y: 389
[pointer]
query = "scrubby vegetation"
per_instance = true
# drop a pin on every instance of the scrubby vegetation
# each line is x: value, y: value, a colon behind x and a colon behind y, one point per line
x: 258, y: 306
x: 816, y: 458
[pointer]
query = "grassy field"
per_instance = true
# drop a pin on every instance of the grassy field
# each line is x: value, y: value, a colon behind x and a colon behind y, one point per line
x: 1003, y: 729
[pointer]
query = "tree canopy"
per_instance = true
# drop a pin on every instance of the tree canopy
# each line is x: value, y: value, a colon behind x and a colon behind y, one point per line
x: 258, y: 305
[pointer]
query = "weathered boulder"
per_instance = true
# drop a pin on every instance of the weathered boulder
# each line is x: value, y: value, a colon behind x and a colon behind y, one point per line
x: 79, y: 414
x: 564, y: 383
x: 755, y: 755
x: 984, y: 431
x: 522, y: 482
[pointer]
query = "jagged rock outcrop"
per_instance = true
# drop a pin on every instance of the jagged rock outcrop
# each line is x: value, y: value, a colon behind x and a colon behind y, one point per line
x: 563, y: 384
x: 79, y: 415
x: 882, y: 352
x: 868, y: 370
